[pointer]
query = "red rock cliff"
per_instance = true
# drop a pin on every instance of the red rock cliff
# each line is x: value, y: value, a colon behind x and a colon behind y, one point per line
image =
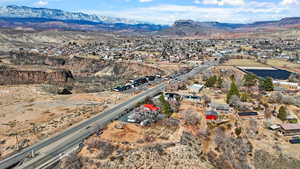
x: 12, y: 77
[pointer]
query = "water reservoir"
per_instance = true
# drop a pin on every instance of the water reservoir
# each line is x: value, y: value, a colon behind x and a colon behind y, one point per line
x: 276, y: 74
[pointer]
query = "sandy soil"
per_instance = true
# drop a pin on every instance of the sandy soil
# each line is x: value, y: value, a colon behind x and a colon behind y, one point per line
x: 34, y: 114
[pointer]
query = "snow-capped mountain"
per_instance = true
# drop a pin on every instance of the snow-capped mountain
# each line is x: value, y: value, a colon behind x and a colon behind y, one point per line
x: 14, y: 11
x: 108, y: 19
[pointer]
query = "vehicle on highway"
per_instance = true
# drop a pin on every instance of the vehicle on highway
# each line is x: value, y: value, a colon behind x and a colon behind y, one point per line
x: 136, y: 83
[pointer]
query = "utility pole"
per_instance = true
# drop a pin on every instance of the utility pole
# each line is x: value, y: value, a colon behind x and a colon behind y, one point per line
x: 17, y: 140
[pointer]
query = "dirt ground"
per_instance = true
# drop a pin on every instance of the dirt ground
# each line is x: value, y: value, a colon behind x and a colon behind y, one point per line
x: 28, y: 113
x: 244, y: 63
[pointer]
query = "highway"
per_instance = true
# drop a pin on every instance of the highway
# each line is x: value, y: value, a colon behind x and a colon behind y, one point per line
x: 54, y: 146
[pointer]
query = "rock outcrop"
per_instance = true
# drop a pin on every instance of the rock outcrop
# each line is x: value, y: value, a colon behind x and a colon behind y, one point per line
x: 13, y: 77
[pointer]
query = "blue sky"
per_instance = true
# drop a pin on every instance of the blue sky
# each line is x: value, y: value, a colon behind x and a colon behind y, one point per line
x: 167, y: 11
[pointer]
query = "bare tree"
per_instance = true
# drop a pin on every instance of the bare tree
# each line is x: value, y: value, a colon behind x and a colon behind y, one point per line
x: 275, y: 97
x: 191, y: 118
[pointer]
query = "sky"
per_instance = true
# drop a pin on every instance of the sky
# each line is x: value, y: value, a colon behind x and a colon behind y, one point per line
x: 168, y: 11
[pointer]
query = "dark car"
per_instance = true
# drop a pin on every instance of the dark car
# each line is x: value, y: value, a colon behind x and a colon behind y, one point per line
x: 295, y: 140
x: 141, y: 80
x: 150, y: 78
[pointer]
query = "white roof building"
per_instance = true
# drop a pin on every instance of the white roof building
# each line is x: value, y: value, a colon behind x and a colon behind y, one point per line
x: 196, y: 88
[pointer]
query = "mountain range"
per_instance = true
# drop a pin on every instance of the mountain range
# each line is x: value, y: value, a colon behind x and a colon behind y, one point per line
x: 13, y: 11
x: 45, y: 19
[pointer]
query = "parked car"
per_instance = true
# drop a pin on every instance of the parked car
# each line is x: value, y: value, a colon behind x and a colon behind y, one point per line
x: 295, y: 140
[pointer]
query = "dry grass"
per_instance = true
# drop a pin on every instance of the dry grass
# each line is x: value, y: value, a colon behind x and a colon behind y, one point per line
x: 284, y: 64
x: 243, y: 62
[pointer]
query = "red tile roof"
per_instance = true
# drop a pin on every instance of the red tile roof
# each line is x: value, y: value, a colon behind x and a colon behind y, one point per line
x: 151, y: 107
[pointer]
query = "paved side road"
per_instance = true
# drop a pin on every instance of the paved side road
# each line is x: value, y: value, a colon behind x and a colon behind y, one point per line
x: 57, y: 144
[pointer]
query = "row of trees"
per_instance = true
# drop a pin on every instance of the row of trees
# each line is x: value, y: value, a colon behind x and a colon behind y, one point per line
x: 249, y: 80
x: 265, y: 84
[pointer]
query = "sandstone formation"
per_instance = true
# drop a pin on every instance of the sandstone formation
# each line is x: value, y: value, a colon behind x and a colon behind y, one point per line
x: 12, y: 77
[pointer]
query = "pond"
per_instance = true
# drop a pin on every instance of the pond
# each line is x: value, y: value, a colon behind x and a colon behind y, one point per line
x: 277, y: 74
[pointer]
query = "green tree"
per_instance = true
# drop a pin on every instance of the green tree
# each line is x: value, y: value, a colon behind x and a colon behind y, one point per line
x: 219, y: 82
x: 266, y: 84
x: 238, y: 131
x: 232, y: 77
x: 282, y: 115
x: 211, y: 81
x: 244, y: 97
x: 233, y: 91
x: 249, y: 79
x: 165, y: 106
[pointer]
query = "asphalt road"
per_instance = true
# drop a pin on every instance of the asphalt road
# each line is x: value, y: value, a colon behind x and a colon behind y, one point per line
x: 57, y: 144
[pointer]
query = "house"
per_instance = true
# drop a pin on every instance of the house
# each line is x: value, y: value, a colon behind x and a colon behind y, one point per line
x: 192, y: 98
x: 196, y: 88
x: 288, y: 85
x: 211, y: 115
x: 250, y: 115
x: 290, y: 129
x: 144, y: 114
x: 223, y: 108
x: 172, y: 96
x: 274, y: 127
x: 151, y: 107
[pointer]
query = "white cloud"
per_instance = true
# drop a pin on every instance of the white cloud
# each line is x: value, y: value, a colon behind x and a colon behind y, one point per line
x: 224, y: 2
x: 145, y: 0
x: 197, y: 1
x: 167, y: 14
x: 41, y: 3
x: 289, y: 2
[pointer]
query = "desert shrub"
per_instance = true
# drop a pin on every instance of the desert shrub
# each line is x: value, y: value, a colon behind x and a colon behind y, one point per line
x: 105, y: 147
x: 291, y: 100
x: 206, y: 99
x: 171, y: 122
x: 207, y: 74
x: 282, y: 115
x: 294, y: 78
x: 71, y: 161
x: 278, y: 97
x: 275, y: 97
x: 238, y: 131
x: 220, y: 135
x: 253, y: 126
x: 148, y: 100
x: 211, y: 81
x: 4, y: 67
x: 191, y: 118
x: 234, y: 101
